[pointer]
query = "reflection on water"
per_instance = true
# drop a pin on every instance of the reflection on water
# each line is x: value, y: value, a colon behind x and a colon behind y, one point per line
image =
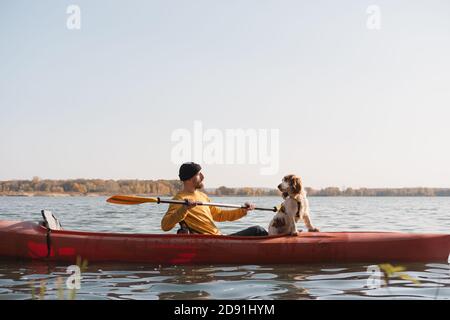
x: 115, y: 281
x: 337, y: 281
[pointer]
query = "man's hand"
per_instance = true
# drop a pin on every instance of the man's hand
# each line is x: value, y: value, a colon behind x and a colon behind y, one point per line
x: 248, y: 207
x: 189, y: 204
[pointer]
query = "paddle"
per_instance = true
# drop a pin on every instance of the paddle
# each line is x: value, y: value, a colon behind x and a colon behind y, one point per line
x: 130, y: 200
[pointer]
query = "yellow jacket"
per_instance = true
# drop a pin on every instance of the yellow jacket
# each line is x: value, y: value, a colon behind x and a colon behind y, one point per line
x: 200, y: 218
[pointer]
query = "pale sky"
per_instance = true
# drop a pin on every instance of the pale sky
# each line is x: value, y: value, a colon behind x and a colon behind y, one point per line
x: 354, y: 107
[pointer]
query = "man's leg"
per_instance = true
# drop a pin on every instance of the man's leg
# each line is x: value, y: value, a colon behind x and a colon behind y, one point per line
x: 251, y: 231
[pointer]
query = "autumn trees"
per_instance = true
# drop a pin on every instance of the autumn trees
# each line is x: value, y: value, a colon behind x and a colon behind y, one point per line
x: 38, y: 186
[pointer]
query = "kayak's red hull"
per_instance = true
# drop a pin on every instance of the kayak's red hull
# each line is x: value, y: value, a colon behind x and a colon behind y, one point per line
x: 29, y: 240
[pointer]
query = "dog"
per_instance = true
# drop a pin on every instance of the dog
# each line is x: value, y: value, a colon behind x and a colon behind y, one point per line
x: 294, y: 208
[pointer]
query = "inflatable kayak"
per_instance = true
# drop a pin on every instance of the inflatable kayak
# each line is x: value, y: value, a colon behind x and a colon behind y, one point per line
x: 30, y: 240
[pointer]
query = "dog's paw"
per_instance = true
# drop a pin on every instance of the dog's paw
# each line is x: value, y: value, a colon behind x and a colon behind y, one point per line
x: 314, y: 230
x: 294, y: 233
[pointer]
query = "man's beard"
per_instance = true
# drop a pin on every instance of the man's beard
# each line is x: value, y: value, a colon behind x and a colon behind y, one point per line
x: 199, y: 185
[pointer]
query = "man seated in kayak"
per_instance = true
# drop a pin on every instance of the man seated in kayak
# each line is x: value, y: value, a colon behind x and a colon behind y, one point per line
x: 200, y: 219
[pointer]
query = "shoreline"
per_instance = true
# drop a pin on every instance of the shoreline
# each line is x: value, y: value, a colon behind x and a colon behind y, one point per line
x: 164, y: 188
x: 93, y: 195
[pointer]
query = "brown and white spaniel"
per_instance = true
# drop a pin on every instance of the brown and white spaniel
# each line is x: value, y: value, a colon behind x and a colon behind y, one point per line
x: 294, y: 208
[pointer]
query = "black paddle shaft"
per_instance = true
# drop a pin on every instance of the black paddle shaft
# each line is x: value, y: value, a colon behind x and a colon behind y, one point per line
x: 215, y: 204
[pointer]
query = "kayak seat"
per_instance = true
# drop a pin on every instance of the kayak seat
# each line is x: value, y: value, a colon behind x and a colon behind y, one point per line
x: 50, y: 221
x: 184, y: 229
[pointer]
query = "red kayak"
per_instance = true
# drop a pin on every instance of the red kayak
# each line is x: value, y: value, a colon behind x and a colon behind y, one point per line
x: 31, y: 240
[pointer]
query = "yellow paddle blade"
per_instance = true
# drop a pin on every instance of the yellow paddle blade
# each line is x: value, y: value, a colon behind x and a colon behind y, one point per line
x: 118, y: 199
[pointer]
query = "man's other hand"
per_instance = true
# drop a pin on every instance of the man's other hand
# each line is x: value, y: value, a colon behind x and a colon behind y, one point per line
x: 248, y: 207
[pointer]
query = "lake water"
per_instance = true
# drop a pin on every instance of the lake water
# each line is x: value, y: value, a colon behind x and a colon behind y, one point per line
x: 318, y: 281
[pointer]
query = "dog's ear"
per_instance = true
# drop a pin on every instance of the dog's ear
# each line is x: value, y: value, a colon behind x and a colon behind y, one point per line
x: 296, y: 184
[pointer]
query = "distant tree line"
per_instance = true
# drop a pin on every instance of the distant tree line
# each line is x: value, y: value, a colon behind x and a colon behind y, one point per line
x: 89, y: 186
x: 38, y: 186
x: 336, y: 192
x: 247, y: 191
x: 380, y: 192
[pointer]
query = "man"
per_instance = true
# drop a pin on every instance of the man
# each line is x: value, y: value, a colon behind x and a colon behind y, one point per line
x: 200, y: 219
